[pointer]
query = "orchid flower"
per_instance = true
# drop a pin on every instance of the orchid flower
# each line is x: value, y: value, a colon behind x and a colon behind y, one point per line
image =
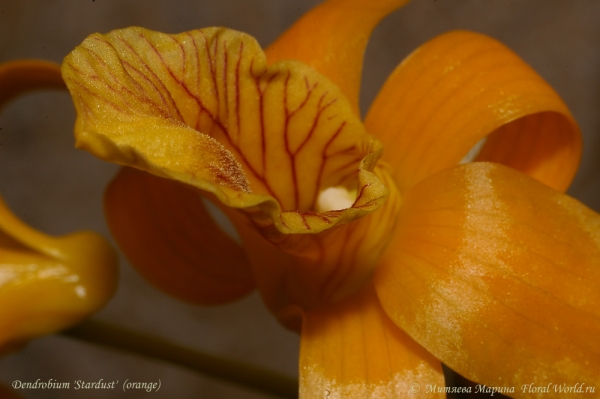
x: 47, y: 283
x: 368, y: 236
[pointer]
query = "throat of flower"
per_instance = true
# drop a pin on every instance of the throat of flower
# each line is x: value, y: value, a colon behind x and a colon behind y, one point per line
x: 471, y: 156
x: 335, y: 198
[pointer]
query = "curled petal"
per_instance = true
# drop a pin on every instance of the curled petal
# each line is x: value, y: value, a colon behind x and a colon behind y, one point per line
x: 20, y: 76
x: 167, y: 234
x: 352, y: 350
x: 203, y: 108
x: 461, y: 87
x: 46, y: 283
x: 52, y: 282
x: 497, y: 275
x: 332, y: 38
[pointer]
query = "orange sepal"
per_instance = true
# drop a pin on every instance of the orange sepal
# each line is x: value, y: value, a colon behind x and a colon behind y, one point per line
x: 461, y: 87
x: 497, y: 275
x: 166, y: 232
x: 352, y: 350
x: 332, y: 38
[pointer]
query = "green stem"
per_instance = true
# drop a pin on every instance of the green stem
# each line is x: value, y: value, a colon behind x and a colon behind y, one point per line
x: 246, y: 375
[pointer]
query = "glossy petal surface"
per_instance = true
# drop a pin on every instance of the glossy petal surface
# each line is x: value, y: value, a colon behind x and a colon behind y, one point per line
x: 49, y: 283
x: 202, y: 107
x: 332, y: 38
x: 461, y: 87
x: 354, y: 351
x: 497, y: 275
x: 46, y: 283
x: 166, y: 232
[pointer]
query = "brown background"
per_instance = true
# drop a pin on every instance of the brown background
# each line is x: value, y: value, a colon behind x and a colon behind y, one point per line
x: 58, y: 189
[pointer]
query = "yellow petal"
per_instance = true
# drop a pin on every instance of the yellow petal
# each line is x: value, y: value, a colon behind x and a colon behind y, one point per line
x: 167, y: 234
x: 460, y: 87
x: 353, y: 351
x: 332, y: 38
x: 497, y: 275
x: 51, y: 282
x: 20, y: 76
x: 202, y: 107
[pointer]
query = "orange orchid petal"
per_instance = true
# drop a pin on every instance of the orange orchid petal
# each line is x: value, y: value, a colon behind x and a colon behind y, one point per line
x: 167, y: 234
x: 332, y: 38
x: 46, y: 283
x: 20, y: 76
x: 203, y: 107
x: 497, y: 275
x: 352, y: 350
x: 460, y: 87
x: 51, y: 282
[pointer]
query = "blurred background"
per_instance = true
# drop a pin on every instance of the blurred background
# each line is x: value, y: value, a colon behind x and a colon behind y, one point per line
x: 58, y: 189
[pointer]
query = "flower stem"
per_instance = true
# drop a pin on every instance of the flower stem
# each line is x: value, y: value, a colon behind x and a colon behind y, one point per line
x: 246, y: 375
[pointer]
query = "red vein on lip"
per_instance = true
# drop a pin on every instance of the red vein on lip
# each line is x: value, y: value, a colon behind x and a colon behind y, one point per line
x: 156, y: 81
